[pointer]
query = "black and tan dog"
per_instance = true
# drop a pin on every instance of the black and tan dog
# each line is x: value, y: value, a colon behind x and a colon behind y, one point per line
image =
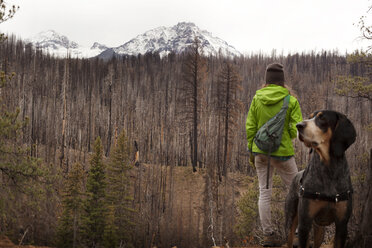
x: 321, y: 194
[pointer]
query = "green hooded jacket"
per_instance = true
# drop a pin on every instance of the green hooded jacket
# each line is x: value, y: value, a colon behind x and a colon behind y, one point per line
x: 265, y: 104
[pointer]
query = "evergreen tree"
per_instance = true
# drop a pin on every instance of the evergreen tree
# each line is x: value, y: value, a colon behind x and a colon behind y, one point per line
x: 110, y: 237
x: 353, y: 85
x: 19, y: 172
x: 118, y: 190
x: 95, y: 205
x: 72, y: 203
x: 15, y: 164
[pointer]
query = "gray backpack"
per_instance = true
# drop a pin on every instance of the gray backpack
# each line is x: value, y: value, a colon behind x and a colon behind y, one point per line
x: 269, y: 136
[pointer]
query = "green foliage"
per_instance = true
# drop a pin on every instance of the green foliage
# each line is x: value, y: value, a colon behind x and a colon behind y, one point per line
x: 354, y: 86
x: 248, y: 212
x: 368, y: 127
x: 117, y: 170
x: 23, y: 178
x: 4, y: 77
x: 110, y: 237
x: 277, y: 204
x: 72, y: 203
x: 16, y: 165
x: 95, y: 204
x: 118, y: 194
x: 248, y: 220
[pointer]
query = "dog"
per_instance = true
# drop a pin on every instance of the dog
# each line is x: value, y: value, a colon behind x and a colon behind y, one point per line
x: 322, y: 193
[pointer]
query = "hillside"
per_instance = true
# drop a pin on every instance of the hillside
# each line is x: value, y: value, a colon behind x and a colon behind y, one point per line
x: 175, y: 198
x: 70, y: 102
x: 182, y: 208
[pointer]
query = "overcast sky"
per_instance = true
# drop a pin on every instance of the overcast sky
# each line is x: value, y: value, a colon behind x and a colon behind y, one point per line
x: 248, y: 25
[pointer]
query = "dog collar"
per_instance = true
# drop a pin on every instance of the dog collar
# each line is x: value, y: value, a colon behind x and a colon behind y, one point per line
x: 344, y: 196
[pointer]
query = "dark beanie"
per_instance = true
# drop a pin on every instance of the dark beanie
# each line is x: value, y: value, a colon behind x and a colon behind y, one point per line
x: 275, y: 74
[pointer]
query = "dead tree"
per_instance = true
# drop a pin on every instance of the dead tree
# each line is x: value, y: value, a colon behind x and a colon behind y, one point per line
x: 194, y: 74
x: 63, y: 156
x: 229, y: 106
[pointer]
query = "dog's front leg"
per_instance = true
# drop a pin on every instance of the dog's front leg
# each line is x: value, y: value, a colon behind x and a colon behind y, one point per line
x: 305, y: 220
x: 318, y: 235
x: 341, y: 234
x: 343, y: 212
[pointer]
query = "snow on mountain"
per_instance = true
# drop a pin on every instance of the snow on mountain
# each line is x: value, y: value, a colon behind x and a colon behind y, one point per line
x: 175, y: 39
x: 162, y: 40
x: 59, y: 45
x: 97, y: 45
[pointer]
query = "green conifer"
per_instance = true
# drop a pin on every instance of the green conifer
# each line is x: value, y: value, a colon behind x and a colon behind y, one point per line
x: 95, y: 205
x: 19, y: 172
x: 118, y: 188
x: 110, y: 238
x: 72, y: 203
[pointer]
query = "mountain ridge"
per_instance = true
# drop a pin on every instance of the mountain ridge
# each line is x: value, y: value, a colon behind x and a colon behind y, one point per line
x: 162, y: 40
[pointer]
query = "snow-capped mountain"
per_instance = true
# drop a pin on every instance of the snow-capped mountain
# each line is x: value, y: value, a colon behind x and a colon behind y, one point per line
x: 60, y: 45
x: 164, y: 40
x: 52, y: 40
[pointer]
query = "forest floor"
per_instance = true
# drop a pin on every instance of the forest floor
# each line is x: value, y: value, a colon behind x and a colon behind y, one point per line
x: 284, y: 246
x: 5, y: 242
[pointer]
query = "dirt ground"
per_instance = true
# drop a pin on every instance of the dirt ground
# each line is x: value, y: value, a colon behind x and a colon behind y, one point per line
x: 323, y: 246
x: 5, y: 242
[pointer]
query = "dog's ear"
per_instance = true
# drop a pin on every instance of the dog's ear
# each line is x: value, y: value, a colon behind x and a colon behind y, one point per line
x: 343, y: 136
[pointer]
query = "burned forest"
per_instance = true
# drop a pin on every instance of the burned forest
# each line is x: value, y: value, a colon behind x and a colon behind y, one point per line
x: 181, y: 119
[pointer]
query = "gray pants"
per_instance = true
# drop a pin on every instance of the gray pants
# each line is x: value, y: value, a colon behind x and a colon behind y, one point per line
x: 286, y: 170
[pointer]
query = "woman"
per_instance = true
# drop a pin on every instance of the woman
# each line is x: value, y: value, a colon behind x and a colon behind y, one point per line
x: 265, y: 104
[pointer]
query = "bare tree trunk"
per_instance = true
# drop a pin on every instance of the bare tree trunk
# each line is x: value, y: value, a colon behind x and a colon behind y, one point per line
x: 33, y: 124
x: 63, y: 143
x: 227, y: 118
x: 366, y: 227
x: 89, y: 130
x: 109, y: 133
x: 219, y: 149
x: 195, y: 116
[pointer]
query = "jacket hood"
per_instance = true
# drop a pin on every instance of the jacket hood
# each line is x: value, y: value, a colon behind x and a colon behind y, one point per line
x: 271, y: 94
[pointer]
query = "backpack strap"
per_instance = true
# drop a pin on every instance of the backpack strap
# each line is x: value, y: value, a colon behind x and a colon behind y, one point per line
x: 286, y: 101
x: 285, y: 106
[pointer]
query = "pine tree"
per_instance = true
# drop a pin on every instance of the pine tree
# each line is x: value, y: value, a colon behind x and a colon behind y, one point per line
x: 110, y: 237
x: 19, y: 172
x: 118, y: 195
x: 95, y: 205
x: 72, y: 203
x: 15, y: 164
